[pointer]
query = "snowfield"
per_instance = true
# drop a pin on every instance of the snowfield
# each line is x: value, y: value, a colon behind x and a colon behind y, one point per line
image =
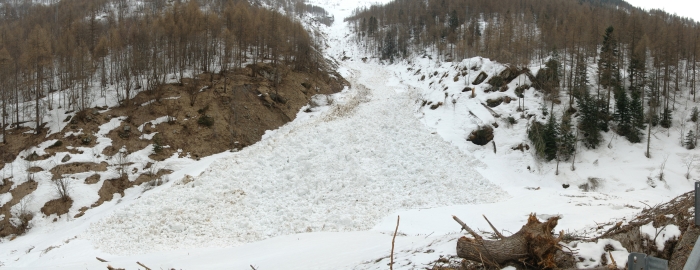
x: 324, y: 191
x: 338, y: 171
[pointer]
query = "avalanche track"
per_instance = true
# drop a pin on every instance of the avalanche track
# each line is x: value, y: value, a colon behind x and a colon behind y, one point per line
x: 342, y: 169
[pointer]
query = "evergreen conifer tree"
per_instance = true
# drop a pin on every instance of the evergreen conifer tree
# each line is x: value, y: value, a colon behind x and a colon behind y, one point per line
x: 567, y: 140
x: 454, y: 20
x: 608, y: 70
x: 637, y: 111
x: 622, y: 115
x: 666, y: 118
x: 602, y: 114
x: 389, y: 49
x: 580, y: 80
x: 690, y: 140
x: 626, y: 114
x: 588, y: 120
x: 694, y: 115
x: 536, y: 135
x: 551, y: 136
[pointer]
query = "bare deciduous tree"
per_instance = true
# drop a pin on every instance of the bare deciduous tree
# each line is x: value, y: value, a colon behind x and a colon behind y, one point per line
x: 62, y: 186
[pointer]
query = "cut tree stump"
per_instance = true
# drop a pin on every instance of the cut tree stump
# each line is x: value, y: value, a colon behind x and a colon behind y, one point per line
x: 533, y: 245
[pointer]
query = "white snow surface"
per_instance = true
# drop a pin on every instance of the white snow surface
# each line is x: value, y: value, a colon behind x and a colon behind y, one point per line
x: 324, y: 191
x: 589, y: 253
x: 155, y: 122
x: 342, y: 171
x: 660, y: 235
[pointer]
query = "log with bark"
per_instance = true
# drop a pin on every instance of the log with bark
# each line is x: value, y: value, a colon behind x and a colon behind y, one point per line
x: 534, y: 245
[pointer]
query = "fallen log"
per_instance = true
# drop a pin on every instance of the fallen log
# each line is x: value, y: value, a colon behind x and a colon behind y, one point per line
x: 533, y: 245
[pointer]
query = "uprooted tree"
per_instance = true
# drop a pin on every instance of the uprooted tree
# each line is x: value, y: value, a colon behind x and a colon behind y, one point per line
x: 534, y: 245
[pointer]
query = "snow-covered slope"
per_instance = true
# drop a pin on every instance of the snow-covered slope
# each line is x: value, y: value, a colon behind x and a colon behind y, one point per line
x: 324, y: 191
x: 338, y: 171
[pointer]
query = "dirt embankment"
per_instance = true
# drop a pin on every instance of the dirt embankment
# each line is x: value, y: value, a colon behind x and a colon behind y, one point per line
x: 214, y: 113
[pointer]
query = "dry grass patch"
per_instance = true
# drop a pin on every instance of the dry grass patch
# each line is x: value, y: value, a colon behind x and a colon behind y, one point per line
x: 92, y: 179
x: 58, y: 206
x: 78, y: 167
x: 18, y: 194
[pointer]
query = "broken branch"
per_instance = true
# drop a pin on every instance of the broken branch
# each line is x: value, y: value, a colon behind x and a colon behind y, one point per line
x: 391, y: 264
x: 498, y: 234
x: 466, y: 228
x: 617, y: 226
x: 143, y: 266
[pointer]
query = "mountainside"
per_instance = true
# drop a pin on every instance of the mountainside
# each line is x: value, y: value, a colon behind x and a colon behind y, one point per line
x: 261, y: 161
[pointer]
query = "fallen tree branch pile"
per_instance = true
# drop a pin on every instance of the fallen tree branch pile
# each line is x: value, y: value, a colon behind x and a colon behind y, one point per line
x: 534, y: 245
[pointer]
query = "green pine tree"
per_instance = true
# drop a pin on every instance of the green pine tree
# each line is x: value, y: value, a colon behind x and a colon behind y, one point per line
x: 454, y: 20
x: 626, y: 113
x: 551, y: 136
x: 389, y: 49
x: 536, y: 135
x: 588, y: 120
x: 607, y: 63
x: 690, y: 140
x: 567, y: 140
x: 666, y: 118
x: 580, y: 80
x: 602, y: 113
x: 609, y: 73
x: 637, y: 111
x: 622, y: 112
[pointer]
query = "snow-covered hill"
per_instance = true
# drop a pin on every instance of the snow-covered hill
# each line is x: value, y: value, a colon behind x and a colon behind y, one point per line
x: 324, y: 191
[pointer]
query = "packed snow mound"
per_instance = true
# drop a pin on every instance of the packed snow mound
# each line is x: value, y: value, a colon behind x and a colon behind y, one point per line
x: 340, y: 173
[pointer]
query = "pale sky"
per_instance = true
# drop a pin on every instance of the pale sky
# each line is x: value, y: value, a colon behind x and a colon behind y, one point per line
x: 684, y: 8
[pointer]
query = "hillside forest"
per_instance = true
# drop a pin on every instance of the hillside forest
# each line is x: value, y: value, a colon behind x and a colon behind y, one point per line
x: 77, y: 52
x: 613, y: 65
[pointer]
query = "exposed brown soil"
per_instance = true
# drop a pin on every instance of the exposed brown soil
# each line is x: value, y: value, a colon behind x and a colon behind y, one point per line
x: 72, y: 139
x: 78, y: 167
x: 57, y: 206
x: 119, y: 185
x: 92, y: 179
x: 231, y: 111
x: 145, y: 177
x: 5, y: 185
x: 82, y: 211
x: 18, y: 140
x: 111, y: 186
x: 18, y: 193
x: 35, y: 169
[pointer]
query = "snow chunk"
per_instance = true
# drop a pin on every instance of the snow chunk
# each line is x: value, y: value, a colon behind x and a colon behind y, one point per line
x: 74, y: 133
x: 591, y: 252
x: 4, y: 198
x: 148, y: 136
x: 662, y: 235
x: 111, y: 125
x: 159, y: 120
